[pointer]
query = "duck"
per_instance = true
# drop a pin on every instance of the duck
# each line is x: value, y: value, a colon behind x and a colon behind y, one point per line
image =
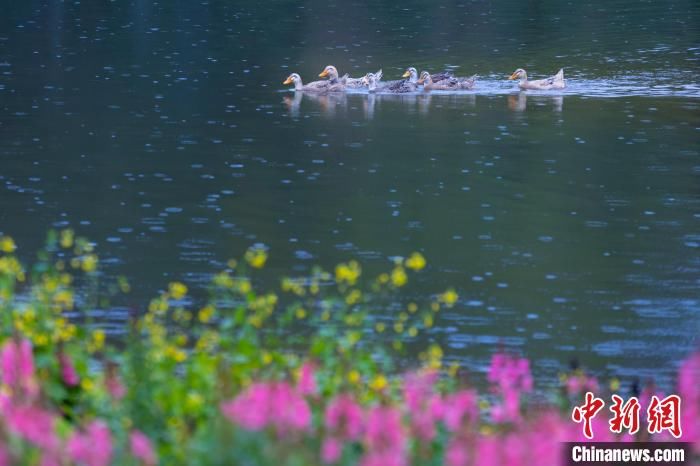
x: 331, y: 72
x: 553, y: 82
x: 447, y: 84
x: 315, y: 86
x: 412, y: 75
x: 372, y: 81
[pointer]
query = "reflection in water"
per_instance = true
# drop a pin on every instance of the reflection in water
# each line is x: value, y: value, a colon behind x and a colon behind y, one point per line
x: 368, y: 105
x: 329, y: 103
x: 518, y: 102
x: 293, y: 103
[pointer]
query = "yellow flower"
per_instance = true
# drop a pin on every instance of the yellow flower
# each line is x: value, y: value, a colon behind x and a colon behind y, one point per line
x: 193, y: 402
x: 266, y: 358
x: 412, y: 307
x: 256, y: 256
x: 435, y: 356
x: 64, y: 299
x: 353, y: 377
x: 614, y: 384
x: 380, y: 327
x: 348, y: 273
x: 66, y: 240
x: 177, y: 290
x: 413, y: 331
x: 325, y: 315
x: 428, y: 321
x: 89, y: 263
x: 256, y: 321
x: 7, y: 244
x: 378, y: 383
x: 300, y: 313
x: 453, y: 369
x: 398, y: 276
x: 415, y: 262
x: 41, y: 339
x: 353, y: 297
x: 98, y: 339
x: 124, y: 285
x: 87, y: 384
x: 176, y: 354
x: 449, y: 297
x: 206, y: 313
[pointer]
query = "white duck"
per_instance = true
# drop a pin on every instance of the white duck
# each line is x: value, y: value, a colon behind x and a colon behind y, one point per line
x: 553, y: 82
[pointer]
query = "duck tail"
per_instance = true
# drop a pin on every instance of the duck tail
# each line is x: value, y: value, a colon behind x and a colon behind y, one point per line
x: 560, y: 75
x: 378, y: 74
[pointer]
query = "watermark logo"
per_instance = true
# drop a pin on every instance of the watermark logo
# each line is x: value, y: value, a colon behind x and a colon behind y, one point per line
x: 661, y: 415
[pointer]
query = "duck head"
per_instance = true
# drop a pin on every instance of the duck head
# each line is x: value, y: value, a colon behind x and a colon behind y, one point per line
x: 295, y: 79
x: 329, y: 72
x: 518, y: 74
x: 411, y: 73
x: 425, y: 78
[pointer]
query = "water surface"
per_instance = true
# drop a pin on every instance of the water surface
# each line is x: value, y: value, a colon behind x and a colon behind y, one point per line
x: 569, y: 221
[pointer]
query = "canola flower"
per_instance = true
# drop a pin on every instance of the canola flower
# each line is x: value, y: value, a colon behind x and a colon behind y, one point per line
x: 256, y: 256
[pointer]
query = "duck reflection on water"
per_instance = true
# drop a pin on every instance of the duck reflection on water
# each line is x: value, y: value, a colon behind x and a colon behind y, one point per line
x: 330, y: 103
x: 518, y: 102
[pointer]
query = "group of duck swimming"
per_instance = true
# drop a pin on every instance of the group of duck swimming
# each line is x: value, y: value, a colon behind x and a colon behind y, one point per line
x: 412, y: 82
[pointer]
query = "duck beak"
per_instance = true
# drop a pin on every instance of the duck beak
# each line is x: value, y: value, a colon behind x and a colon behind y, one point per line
x: 323, y: 74
x: 406, y: 74
x: 513, y: 76
x: 287, y: 81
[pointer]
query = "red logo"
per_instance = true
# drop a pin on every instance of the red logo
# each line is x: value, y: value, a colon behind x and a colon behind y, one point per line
x: 587, y: 412
x: 662, y: 415
x: 665, y: 415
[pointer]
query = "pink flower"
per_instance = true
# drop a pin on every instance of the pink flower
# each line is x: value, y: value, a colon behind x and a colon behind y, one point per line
x: 418, y: 387
x: 17, y: 365
x: 456, y: 453
x: 141, y: 448
x: 34, y: 425
x: 511, y: 376
x: 424, y: 405
x: 384, y: 431
x: 331, y: 450
x: 49, y: 459
x: 488, y: 451
x: 343, y: 416
x: 307, y: 380
x: 277, y: 405
x: 4, y: 456
x: 94, y: 447
x: 383, y: 458
x: 689, y: 391
x: 113, y: 383
x: 459, y: 408
x: 68, y: 373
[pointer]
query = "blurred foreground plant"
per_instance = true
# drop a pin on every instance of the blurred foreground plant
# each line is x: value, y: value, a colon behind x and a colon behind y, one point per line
x: 285, y: 377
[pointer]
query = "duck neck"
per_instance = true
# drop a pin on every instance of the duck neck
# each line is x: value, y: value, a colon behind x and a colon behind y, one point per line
x: 523, y: 77
x: 298, y: 85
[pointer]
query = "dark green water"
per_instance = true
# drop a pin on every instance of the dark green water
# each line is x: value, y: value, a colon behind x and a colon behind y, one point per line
x: 569, y: 222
